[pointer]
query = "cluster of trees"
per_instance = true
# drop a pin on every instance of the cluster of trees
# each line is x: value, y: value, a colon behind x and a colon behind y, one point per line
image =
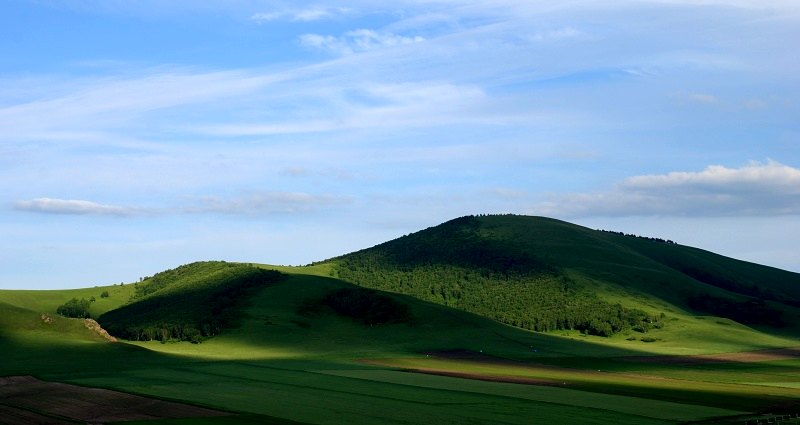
x: 367, y: 306
x: 76, y: 308
x: 631, y: 235
x: 752, y: 311
x: 189, y: 303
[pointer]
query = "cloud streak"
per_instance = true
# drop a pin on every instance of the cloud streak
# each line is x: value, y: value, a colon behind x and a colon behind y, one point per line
x: 72, y: 207
x: 360, y: 40
x: 756, y: 189
x: 310, y: 14
x: 255, y: 204
x: 264, y: 203
x: 105, y: 104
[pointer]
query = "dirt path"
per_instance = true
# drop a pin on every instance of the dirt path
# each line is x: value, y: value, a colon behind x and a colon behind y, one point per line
x: 30, y: 401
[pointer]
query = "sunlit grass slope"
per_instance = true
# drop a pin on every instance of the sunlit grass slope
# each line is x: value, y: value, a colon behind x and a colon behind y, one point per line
x: 49, y: 300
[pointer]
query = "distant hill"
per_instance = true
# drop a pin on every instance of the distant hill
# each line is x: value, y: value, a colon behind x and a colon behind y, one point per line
x: 544, y: 274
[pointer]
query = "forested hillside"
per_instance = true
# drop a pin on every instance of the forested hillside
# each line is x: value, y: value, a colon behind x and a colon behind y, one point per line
x: 459, y: 264
x: 544, y: 274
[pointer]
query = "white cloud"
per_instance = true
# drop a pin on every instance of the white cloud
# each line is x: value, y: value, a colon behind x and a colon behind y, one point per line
x: 255, y: 204
x: 756, y: 189
x: 310, y: 14
x: 72, y: 207
x: 771, y: 176
x: 556, y: 34
x: 266, y: 17
x: 360, y: 40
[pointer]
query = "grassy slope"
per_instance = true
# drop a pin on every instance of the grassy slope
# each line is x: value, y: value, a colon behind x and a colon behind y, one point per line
x: 188, y: 303
x: 306, y: 369
x: 284, y: 365
x: 279, y: 364
x: 48, y: 301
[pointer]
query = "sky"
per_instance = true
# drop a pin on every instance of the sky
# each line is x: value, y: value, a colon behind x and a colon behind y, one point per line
x: 138, y: 136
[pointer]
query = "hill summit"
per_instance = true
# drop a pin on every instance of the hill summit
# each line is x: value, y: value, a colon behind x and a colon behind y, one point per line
x: 544, y: 274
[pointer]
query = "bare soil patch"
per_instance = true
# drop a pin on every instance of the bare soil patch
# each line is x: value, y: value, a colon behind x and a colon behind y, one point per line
x: 13, y: 416
x: 96, y: 328
x: 755, y: 356
x: 30, y: 401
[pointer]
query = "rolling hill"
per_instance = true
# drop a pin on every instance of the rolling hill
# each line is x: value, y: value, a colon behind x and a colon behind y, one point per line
x: 544, y: 274
x: 549, y: 321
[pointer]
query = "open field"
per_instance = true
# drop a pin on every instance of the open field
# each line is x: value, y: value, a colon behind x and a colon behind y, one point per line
x: 693, y: 387
x: 286, y: 363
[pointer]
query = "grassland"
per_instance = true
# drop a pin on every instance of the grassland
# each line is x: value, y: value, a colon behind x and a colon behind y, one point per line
x: 282, y: 364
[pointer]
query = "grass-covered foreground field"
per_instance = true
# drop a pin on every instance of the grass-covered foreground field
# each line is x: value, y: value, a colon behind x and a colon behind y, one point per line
x: 280, y: 366
x: 503, y: 319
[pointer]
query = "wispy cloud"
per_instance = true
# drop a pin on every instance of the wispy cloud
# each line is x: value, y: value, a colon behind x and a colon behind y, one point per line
x: 555, y: 34
x: 73, y: 207
x: 756, y: 189
x: 360, y: 40
x: 93, y: 106
x: 702, y: 98
x: 381, y: 106
x: 255, y: 204
x: 264, y: 203
x: 309, y: 14
x: 694, y: 98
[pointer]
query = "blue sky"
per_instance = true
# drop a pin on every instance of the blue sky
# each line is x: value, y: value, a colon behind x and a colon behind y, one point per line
x: 137, y: 136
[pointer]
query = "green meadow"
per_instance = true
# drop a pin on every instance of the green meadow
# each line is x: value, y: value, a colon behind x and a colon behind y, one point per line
x: 289, y: 358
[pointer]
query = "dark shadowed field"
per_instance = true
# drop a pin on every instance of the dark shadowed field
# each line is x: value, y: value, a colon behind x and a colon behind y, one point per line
x: 25, y: 400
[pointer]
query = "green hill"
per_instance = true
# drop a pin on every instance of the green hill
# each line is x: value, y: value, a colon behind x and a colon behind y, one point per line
x: 544, y: 274
x: 188, y: 303
x: 309, y: 345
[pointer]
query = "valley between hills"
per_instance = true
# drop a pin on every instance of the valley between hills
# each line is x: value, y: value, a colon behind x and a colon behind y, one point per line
x: 483, y: 319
